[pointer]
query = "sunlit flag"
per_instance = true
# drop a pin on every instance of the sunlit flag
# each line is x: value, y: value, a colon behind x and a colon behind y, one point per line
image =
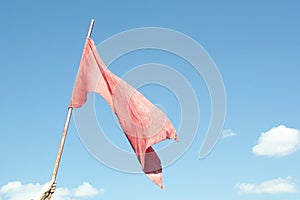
x: 143, y: 123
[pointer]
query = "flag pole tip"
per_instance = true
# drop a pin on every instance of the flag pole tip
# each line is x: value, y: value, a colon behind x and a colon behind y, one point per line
x: 91, y: 28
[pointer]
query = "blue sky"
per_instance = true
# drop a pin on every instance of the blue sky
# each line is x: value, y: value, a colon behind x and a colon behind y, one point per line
x: 256, y: 47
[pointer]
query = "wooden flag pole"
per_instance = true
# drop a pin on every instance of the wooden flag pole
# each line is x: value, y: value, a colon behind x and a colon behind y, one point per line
x: 64, y: 134
x: 62, y: 143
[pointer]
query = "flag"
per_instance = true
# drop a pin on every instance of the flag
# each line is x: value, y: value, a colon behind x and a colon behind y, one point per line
x: 143, y: 123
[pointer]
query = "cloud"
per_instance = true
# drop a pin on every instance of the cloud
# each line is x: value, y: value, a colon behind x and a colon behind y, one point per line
x: 85, y: 190
x: 279, y: 141
x: 16, y: 191
x: 228, y: 133
x: 274, y: 186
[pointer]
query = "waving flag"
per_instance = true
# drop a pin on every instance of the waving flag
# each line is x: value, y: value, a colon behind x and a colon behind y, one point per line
x: 142, y: 122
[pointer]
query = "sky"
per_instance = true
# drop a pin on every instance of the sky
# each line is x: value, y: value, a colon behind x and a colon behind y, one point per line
x: 255, y: 46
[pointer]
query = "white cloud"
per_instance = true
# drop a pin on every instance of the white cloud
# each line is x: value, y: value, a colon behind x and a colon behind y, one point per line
x: 228, y: 133
x: 279, y: 141
x: 274, y: 186
x: 16, y: 191
x: 86, y: 190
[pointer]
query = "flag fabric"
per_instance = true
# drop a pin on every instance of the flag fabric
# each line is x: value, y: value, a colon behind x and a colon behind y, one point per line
x: 143, y: 123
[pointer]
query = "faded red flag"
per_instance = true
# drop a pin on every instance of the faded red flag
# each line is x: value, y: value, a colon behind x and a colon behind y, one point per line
x: 143, y: 123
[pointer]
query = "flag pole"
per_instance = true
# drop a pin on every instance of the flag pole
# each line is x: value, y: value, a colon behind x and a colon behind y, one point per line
x: 65, y: 130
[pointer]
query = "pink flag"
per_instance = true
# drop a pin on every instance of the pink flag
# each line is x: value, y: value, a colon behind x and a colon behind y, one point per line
x: 143, y: 123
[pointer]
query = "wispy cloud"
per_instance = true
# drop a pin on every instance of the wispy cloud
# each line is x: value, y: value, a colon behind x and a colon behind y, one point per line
x: 228, y: 133
x: 16, y: 191
x: 274, y: 186
x: 279, y: 141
